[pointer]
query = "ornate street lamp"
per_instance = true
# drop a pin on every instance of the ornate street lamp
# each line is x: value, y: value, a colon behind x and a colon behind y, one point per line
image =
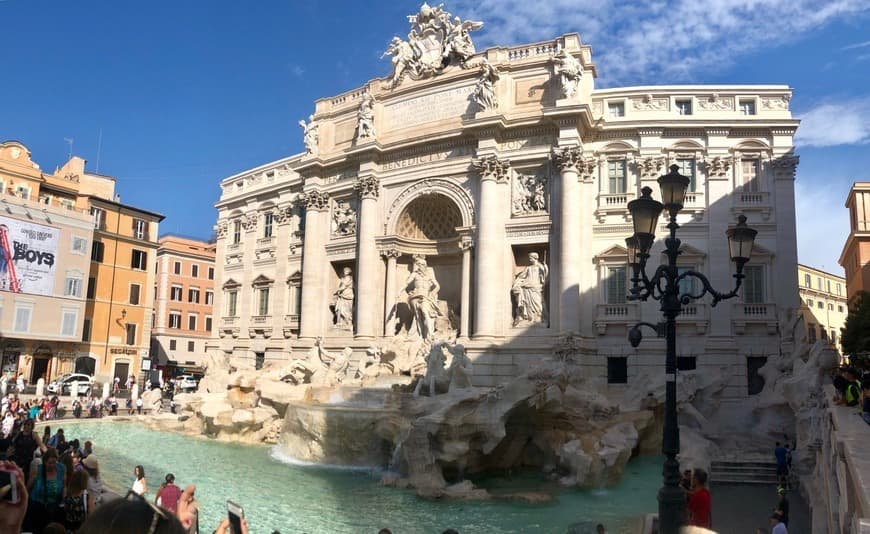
x: 664, y: 285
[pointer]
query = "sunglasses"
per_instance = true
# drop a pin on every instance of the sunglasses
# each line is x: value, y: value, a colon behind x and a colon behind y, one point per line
x: 157, y: 513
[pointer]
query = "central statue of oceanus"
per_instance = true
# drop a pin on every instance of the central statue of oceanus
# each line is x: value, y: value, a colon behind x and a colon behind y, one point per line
x: 436, y: 39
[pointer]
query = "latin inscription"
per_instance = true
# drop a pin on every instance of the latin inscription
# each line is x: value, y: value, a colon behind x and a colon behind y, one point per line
x: 449, y: 104
x: 426, y: 158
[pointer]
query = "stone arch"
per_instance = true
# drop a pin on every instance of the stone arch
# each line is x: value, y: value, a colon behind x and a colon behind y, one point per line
x: 686, y: 145
x: 445, y: 188
x: 751, y: 144
x: 431, y: 217
x: 617, y: 146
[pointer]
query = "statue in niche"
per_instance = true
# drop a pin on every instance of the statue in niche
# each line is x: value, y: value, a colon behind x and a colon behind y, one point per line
x: 528, y: 288
x: 344, y: 219
x: 342, y: 301
x: 569, y: 70
x: 365, y: 116
x: 309, y: 135
x: 422, y: 290
x: 484, y: 92
x: 530, y: 194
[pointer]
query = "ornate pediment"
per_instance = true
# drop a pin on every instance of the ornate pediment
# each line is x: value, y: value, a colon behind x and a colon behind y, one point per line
x: 262, y: 280
x: 231, y: 284
x: 436, y: 40
x: 614, y: 253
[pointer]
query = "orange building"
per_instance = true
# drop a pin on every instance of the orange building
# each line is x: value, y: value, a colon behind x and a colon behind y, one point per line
x: 184, y: 296
x: 113, y: 332
x: 855, y: 257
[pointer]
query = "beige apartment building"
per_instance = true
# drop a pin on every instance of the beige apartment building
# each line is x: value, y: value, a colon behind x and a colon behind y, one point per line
x: 94, y: 293
x: 183, y: 299
x: 823, y: 304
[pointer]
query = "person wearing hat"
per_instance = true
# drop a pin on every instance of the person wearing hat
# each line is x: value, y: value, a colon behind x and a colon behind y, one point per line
x: 852, y: 390
x: 776, y: 524
x: 782, y: 506
x: 95, y: 485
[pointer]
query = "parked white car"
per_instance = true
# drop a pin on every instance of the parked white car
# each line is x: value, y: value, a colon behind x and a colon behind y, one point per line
x: 62, y: 385
x: 186, y: 383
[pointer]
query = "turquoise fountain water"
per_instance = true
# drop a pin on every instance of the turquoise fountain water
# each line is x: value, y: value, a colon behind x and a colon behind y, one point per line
x: 292, y: 498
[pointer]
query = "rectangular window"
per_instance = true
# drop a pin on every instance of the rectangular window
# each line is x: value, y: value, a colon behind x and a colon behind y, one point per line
x: 753, y: 284
x: 808, y: 280
x: 86, y: 330
x: 175, y: 293
x: 232, y: 300
x: 687, y: 285
x: 45, y: 198
x: 92, y: 287
x: 79, y: 245
x: 267, y: 224
x: 749, y: 175
x: 820, y: 305
x: 140, y: 229
x: 615, y: 285
x: 616, y: 109
x: 617, y: 370
x: 263, y: 301
x: 209, y: 298
x: 134, y: 294
x: 139, y: 260
x: 684, y: 107
x: 840, y: 308
x: 208, y: 324
x: 809, y: 303
x: 172, y: 344
x: 237, y: 232
x: 687, y: 363
x: 616, y: 176
x: 833, y: 336
x: 824, y: 333
x: 211, y: 273
x: 175, y: 320
x: 194, y: 271
x: 193, y: 295
x: 72, y: 287
x: 99, y: 217
x: 22, y: 319
x: 68, y: 325
x: 828, y: 285
x: 176, y: 268
x: 747, y: 107
x: 811, y: 333
x: 131, y: 333
x: 191, y: 322
x: 830, y: 307
x: 687, y: 168
x: 259, y: 360
x: 97, y: 249
x: 839, y: 289
x: 191, y: 346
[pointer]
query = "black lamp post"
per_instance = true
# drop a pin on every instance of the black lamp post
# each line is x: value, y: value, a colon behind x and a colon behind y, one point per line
x: 663, y: 285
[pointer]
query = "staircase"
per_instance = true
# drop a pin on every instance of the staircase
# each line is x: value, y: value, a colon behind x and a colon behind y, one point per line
x: 747, y: 471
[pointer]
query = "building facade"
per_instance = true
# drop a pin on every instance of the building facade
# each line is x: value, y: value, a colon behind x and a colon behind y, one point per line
x: 109, y: 269
x: 183, y: 301
x: 487, y: 200
x: 855, y: 258
x: 824, y: 305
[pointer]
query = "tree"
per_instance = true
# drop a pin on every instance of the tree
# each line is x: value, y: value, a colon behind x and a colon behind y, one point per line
x: 856, y: 334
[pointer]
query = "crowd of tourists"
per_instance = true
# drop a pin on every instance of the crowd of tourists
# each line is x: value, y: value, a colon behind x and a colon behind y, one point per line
x: 852, y: 389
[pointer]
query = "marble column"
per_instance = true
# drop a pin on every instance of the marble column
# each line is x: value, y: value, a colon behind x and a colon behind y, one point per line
x: 368, y: 188
x: 390, y: 292
x: 567, y: 160
x: 465, y: 296
x: 490, y: 242
x: 313, y: 265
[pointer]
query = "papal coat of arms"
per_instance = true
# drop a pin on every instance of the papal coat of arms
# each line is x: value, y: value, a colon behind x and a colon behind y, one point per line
x: 436, y: 40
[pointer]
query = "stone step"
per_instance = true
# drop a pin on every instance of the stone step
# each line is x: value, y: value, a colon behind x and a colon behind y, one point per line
x: 750, y: 463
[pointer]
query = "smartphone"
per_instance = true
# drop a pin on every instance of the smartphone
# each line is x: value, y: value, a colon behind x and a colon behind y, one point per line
x: 9, y: 486
x: 235, y: 514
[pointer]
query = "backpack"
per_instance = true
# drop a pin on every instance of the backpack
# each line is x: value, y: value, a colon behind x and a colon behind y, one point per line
x: 75, y: 510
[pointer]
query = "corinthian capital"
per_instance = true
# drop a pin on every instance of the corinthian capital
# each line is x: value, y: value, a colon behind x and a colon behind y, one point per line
x: 368, y: 187
x: 315, y: 200
x: 492, y: 168
x: 786, y: 164
x: 569, y: 158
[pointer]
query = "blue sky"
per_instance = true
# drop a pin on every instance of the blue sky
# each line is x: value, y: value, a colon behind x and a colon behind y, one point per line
x: 187, y: 93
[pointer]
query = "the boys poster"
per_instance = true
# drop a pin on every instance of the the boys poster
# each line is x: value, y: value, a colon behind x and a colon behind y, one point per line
x: 28, y: 256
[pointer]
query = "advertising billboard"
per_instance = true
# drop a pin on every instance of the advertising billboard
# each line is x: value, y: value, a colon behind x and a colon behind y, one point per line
x: 28, y: 254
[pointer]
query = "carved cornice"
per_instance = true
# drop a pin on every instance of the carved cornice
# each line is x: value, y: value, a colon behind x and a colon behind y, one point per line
x: 466, y: 243
x: 315, y: 200
x: 249, y: 221
x: 368, y: 187
x: 775, y: 102
x: 390, y: 252
x: 284, y: 214
x: 493, y: 168
x: 718, y: 166
x: 568, y: 158
x: 650, y: 167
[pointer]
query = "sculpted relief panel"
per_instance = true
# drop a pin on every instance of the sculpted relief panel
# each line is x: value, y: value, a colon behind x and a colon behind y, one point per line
x: 529, y: 194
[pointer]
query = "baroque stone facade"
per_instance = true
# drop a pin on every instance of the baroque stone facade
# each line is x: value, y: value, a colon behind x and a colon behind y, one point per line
x: 508, y: 216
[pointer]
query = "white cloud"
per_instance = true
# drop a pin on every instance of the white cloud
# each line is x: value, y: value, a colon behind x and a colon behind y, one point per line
x: 297, y: 71
x: 836, y: 123
x: 659, y: 40
x: 856, y: 45
x: 822, y: 222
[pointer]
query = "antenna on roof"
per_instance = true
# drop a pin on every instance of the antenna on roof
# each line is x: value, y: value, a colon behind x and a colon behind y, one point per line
x: 69, y: 141
x: 99, y: 149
